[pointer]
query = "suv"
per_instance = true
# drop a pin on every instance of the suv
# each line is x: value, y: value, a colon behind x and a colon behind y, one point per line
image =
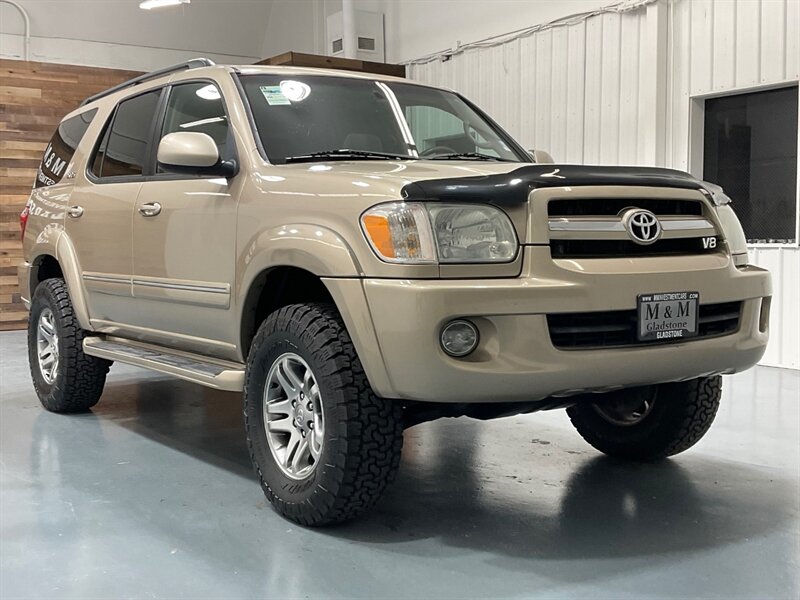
x: 358, y: 254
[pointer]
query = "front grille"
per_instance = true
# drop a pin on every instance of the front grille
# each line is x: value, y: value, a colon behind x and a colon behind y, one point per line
x: 566, y: 248
x: 572, y: 331
x: 582, y: 207
x: 596, y: 228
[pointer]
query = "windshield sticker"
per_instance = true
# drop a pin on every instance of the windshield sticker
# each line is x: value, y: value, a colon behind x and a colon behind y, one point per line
x: 273, y: 95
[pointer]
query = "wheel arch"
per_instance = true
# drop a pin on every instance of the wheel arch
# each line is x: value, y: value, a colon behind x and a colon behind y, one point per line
x: 273, y: 288
x: 58, y: 259
x: 287, y: 264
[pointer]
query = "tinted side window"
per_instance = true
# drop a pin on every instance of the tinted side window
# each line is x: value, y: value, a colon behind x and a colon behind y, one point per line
x: 197, y: 107
x: 62, y: 147
x: 125, y: 152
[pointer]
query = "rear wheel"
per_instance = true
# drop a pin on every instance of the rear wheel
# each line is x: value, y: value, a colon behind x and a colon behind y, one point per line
x: 65, y: 379
x: 652, y: 422
x: 323, y: 445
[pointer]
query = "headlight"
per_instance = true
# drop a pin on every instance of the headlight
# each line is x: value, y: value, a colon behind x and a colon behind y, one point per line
x: 415, y: 233
x: 472, y: 234
x: 400, y: 233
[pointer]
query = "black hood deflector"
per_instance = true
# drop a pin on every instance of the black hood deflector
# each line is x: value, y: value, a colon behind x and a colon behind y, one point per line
x: 512, y: 188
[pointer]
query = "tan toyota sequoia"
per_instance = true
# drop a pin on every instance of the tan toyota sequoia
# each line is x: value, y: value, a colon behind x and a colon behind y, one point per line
x: 358, y: 254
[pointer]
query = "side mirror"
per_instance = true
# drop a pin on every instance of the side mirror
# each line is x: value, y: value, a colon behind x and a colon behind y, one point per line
x: 541, y: 157
x: 193, y: 153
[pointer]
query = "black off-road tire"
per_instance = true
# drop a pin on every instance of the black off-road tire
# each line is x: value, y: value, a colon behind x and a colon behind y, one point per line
x: 681, y: 414
x: 363, y: 433
x: 79, y: 379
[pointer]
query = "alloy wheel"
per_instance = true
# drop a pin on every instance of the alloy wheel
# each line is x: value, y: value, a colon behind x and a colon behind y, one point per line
x: 293, y: 417
x: 47, y: 345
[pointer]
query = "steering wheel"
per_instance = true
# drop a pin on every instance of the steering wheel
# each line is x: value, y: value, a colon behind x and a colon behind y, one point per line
x: 434, y: 150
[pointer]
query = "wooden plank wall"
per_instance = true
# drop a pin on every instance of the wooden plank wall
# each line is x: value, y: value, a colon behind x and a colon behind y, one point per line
x: 33, y: 98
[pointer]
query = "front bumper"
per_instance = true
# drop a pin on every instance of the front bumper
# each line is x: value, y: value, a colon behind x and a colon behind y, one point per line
x: 516, y: 361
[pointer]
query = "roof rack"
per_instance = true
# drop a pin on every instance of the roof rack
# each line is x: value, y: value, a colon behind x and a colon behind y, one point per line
x: 190, y: 64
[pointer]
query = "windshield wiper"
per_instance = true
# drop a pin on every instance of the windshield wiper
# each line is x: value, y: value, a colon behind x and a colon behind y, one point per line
x: 462, y: 155
x: 345, y: 154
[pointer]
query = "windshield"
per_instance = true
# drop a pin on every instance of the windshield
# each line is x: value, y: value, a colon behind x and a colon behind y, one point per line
x: 320, y: 117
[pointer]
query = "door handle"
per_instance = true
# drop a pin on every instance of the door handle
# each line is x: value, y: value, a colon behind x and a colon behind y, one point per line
x: 75, y: 211
x: 151, y: 209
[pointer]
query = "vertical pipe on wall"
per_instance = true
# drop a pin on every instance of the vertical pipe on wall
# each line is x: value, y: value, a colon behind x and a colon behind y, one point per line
x: 349, y: 42
x: 26, y: 19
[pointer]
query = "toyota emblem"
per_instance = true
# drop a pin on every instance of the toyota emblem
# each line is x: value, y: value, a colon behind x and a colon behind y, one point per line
x: 642, y: 226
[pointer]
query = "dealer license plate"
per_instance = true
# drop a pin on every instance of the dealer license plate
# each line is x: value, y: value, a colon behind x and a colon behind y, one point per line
x: 667, y: 316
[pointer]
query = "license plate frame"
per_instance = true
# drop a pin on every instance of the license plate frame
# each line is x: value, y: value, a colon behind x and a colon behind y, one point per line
x: 667, y: 316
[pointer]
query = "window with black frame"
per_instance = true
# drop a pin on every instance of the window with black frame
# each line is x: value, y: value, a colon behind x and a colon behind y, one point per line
x: 750, y: 149
x: 197, y: 107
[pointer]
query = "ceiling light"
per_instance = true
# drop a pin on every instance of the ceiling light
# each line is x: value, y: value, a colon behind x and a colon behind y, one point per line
x: 295, y: 91
x: 202, y: 122
x: 149, y: 4
x: 209, y: 92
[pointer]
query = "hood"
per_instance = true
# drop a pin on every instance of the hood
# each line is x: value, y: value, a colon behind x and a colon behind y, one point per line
x: 500, y: 183
x: 400, y: 172
x: 512, y: 187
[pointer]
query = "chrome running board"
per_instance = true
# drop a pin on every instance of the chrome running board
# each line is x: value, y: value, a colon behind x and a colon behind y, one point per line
x: 211, y: 372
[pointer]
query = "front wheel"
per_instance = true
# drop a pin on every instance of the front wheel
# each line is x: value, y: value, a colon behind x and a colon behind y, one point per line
x: 323, y: 445
x: 649, y: 423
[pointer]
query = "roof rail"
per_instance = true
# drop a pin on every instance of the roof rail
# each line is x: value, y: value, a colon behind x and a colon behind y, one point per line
x: 190, y: 64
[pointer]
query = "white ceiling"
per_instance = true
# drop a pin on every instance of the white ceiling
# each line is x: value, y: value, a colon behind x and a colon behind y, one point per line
x: 245, y: 30
x: 233, y: 27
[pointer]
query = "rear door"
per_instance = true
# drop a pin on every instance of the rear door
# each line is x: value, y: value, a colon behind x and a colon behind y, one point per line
x: 184, y: 234
x: 99, y: 219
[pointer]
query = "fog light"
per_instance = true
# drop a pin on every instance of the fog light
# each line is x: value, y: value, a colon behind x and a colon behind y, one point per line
x: 459, y: 338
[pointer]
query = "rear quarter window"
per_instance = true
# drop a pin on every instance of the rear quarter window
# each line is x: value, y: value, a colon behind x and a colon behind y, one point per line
x: 60, y: 150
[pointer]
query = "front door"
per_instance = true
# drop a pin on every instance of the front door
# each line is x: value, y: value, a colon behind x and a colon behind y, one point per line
x: 184, y: 237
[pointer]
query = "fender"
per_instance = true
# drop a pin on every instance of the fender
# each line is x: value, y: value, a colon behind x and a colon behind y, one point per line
x: 324, y: 253
x: 314, y: 248
x: 68, y: 259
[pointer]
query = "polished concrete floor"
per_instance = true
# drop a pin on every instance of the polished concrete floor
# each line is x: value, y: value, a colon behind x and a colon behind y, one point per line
x: 151, y: 496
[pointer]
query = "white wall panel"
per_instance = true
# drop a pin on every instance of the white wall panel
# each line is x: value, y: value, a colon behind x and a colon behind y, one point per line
x: 610, y: 106
x: 590, y: 93
x: 773, y: 23
x: 529, y: 84
x: 747, y: 34
x: 574, y: 101
x: 784, y: 264
x: 558, y: 91
x: 723, y: 64
x: 701, y: 42
x: 543, y: 93
x: 593, y: 102
x: 791, y: 60
x: 629, y: 89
